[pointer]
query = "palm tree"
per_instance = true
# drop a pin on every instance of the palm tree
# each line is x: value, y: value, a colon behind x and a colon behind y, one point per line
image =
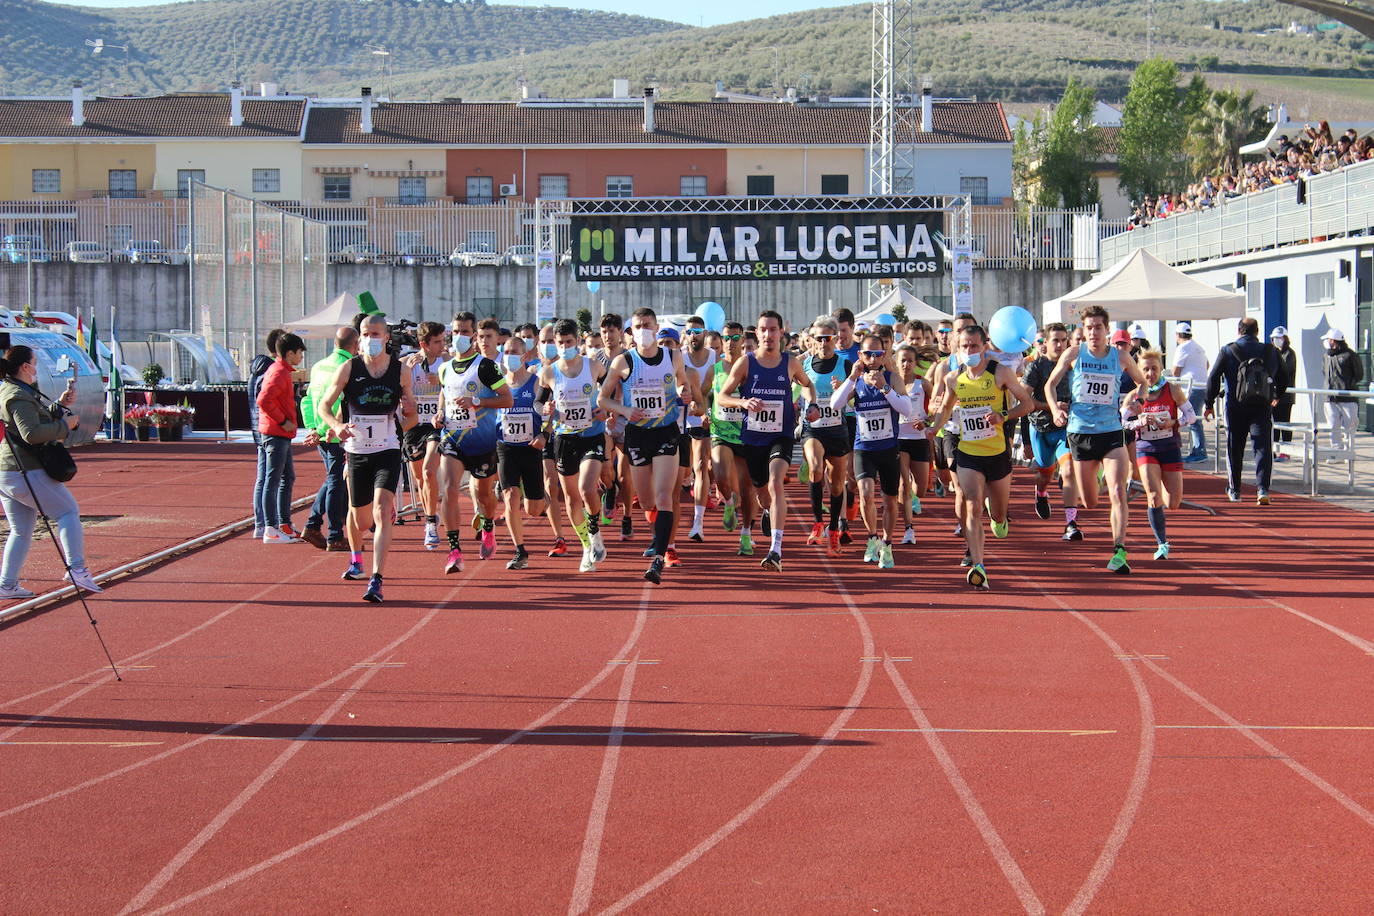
x: 1226, y: 121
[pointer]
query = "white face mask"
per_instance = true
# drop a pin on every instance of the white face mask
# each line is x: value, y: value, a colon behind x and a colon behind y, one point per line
x: 644, y: 337
x: 461, y: 343
x: 373, y: 346
x: 514, y: 361
x: 971, y: 359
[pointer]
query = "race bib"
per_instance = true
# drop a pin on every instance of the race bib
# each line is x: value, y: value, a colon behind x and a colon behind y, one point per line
x: 459, y: 418
x: 830, y: 416
x: 1159, y: 415
x: 730, y: 414
x: 371, y: 433
x: 518, y: 427
x: 576, y: 413
x: 975, y: 425
x: 875, y: 425
x: 427, y: 409
x: 650, y: 399
x: 768, y: 419
x: 1098, y: 388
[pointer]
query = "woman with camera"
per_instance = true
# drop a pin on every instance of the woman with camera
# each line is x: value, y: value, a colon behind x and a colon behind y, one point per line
x: 24, y: 484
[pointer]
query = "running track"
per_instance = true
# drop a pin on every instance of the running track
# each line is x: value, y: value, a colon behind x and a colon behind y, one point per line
x: 1196, y: 737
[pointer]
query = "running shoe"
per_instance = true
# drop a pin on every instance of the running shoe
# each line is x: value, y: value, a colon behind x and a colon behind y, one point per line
x: 967, y: 560
x: 654, y: 573
x: 999, y: 529
x: 651, y: 516
x: 804, y: 475
x: 696, y: 535
x: 519, y: 561
x: 915, y: 504
x: 871, y: 551
x: 1262, y: 498
x: 588, y: 564
x: 1042, y: 505
x: 286, y: 529
x: 560, y: 548
x: 817, y: 535
x: 81, y: 577
x: 477, y: 524
x: 455, y: 562
x: 728, y: 519
x: 746, y: 544
x: 314, y: 537
x: 910, y: 536
x: 845, y: 537
x: 354, y: 571
x: 488, y: 544
x: 767, y: 524
x: 16, y: 591
x: 598, y: 545
x: 627, y: 528
x: 431, y: 536
x: 978, y: 577
x: 373, y: 594
x: 1231, y: 495
x: 885, y: 560
x: 1072, y: 532
x: 271, y: 535
x: 773, y: 561
x: 958, y: 529
x: 672, y: 558
x: 832, y: 548
x: 606, y: 520
x: 1118, y: 564
x: 851, y: 511
x: 938, y: 489
x: 1280, y: 456
x: 1162, y: 552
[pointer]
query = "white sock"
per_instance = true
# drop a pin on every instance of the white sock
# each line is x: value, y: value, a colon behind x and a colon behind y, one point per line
x: 777, y: 541
x: 698, y: 514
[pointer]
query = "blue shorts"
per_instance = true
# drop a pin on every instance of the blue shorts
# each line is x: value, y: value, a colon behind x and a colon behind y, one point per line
x: 1049, y: 446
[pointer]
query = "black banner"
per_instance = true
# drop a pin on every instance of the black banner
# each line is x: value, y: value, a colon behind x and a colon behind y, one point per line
x: 856, y: 244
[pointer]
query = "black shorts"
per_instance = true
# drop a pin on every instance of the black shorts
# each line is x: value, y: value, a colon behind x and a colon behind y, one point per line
x: 915, y: 449
x: 735, y: 448
x: 645, y: 443
x: 416, y: 440
x: 759, y: 457
x: 882, y: 464
x: 549, y: 454
x: 369, y: 473
x: 835, y: 442
x: 946, y: 447
x: 570, y: 451
x: 992, y: 467
x: 851, y: 426
x: 684, y: 451
x: 520, y: 466
x: 1128, y: 436
x: 1095, y: 446
x: 698, y: 432
x: 479, y: 466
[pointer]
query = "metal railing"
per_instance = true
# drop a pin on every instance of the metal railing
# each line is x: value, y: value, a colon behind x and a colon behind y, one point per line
x: 1334, y: 205
x: 1035, y: 238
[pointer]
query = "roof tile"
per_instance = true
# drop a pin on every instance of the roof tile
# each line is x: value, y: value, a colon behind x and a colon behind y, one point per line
x: 151, y: 117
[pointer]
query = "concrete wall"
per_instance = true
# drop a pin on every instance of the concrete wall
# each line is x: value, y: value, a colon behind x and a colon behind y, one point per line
x: 149, y: 297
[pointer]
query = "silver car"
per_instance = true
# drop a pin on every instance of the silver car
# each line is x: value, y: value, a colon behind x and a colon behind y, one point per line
x: 87, y: 253
x: 519, y: 255
x: 471, y: 255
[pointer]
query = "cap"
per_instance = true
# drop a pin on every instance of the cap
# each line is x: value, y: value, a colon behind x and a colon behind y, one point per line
x: 1334, y: 334
x: 1137, y: 331
x: 1279, y: 331
x: 1184, y: 328
x: 670, y: 334
x: 1120, y: 336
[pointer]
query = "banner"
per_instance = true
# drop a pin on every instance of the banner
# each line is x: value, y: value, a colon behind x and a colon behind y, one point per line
x: 545, y: 285
x: 775, y: 245
x: 962, y: 277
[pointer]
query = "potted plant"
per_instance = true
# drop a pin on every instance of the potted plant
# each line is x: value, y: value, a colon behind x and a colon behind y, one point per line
x: 140, y: 417
x: 168, y: 418
x: 152, y: 374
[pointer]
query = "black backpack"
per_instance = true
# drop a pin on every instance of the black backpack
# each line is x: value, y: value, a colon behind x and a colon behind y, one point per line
x: 1254, y: 381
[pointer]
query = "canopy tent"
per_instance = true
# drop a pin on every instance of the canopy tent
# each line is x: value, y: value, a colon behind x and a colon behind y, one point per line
x: 323, y: 325
x: 1141, y: 287
x: 916, y: 309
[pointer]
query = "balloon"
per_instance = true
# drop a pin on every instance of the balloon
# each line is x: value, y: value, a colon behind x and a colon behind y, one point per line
x: 885, y: 318
x: 1012, y: 329
x: 713, y: 315
x: 593, y: 285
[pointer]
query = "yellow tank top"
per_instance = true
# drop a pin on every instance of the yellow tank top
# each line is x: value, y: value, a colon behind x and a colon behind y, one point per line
x: 976, y: 435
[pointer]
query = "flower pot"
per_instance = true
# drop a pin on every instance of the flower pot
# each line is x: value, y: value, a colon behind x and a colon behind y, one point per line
x: 169, y: 433
x: 144, y: 433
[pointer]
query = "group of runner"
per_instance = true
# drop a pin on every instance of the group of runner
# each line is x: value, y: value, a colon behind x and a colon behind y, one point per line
x: 550, y: 423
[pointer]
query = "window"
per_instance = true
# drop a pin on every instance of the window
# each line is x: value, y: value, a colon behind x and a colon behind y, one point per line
x: 338, y: 187
x: 184, y: 179
x: 123, y: 182
x: 620, y: 186
x: 411, y: 190
x: 553, y: 187
x: 266, y: 181
x: 692, y: 186
x: 1321, y: 288
x: 759, y: 186
x: 976, y: 189
x: 479, y: 189
x: 834, y: 184
x: 47, y: 181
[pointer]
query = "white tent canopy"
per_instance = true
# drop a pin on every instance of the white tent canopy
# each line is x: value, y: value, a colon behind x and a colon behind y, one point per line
x: 323, y: 324
x: 916, y: 309
x: 1141, y: 287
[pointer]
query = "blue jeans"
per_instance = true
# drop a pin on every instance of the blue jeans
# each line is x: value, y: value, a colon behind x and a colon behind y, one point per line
x: 1197, y: 397
x: 278, y: 477
x: 332, y: 499
x: 258, y: 521
x: 22, y: 512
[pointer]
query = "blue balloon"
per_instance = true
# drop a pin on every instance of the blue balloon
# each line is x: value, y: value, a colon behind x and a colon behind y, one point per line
x: 713, y: 315
x: 593, y: 285
x: 1012, y: 329
x: 887, y: 319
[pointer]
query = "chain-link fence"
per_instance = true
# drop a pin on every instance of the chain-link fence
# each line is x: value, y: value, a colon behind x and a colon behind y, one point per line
x: 254, y: 268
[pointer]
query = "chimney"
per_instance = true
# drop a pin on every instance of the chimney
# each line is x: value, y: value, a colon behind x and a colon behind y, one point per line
x: 235, y: 104
x: 720, y: 88
x: 267, y: 90
x: 365, y: 116
x: 927, y: 108
x: 648, y: 109
x: 78, y: 105
x: 620, y: 89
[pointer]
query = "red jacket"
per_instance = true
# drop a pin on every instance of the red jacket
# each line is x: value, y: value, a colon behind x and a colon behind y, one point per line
x: 277, y: 400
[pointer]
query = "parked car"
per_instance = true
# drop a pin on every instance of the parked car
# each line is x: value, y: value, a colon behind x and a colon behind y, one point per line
x: 361, y: 253
x: 473, y: 254
x: 144, y: 251
x: 87, y: 253
x: 519, y: 255
x: 422, y: 255
x: 22, y: 249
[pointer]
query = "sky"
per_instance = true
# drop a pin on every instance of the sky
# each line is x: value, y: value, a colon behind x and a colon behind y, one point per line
x: 700, y: 12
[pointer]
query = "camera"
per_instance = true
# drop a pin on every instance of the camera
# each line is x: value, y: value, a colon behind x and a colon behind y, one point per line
x: 403, y: 337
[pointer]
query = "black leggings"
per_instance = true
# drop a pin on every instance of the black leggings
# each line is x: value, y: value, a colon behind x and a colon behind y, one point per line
x: 1282, y: 414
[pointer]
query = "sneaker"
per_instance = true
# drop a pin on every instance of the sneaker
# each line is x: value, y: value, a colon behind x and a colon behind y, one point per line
x: 746, y: 544
x: 588, y: 564
x: 967, y: 560
x: 1162, y: 552
x: 871, y: 551
x: 314, y: 537
x: 804, y: 473
x: 1232, y: 495
x: 333, y: 546
x: 374, y: 590
x: 477, y: 524
x: 258, y: 533
x: 817, y: 535
x: 1262, y: 498
x: 1072, y: 532
x: 767, y: 524
x: 560, y: 548
x: 627, y: 528
x: 290, y: 532
x: 431, y: 536
x: 958, y: 529
x: 651, y: 516
x: 519, y: 561
x: 915, y: 505
x: 910, y: 536
x: 851, y: 511
x: 938, y: 490
x: 354, y: 571
x: 17, y: 591
x: 845, y: 538
x: 1042, y: 505
x: 1280, y: 456
x: 672, y: 559
x: 598, y: 545
x: 978, y: 577
x: 832, y: 547
x: 773, y: 561
x: 272, y: 535
x: 999, y: 529
x: 695, y: 535
x: 885, y: 560
x: 1194, y: 459
x: 455, y: 562
x: 1118, y: 564
x: 654, y: 573
x: 81, y: 577
x: 729, y: 519
x: 488, y: 544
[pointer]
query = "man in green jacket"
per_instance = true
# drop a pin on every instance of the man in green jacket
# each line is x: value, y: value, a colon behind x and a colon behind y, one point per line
x: 332, y: 500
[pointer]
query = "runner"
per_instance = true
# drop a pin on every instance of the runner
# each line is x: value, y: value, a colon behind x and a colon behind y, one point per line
x: 1050, y: 443
x: 373, y: 387
x: 942, y: 374
x: 764, y: 382
x: 913, y: 439
x: 1096, y: 439
x: 422, y: 440
x: 669, y: 339
x: 731, y: 471
x: 881, y: 404
x: 580, y: 438
x: 826, y: 443
x: 848, y: 348
x: 642, y: 386
x: 547, y: 352
x: 473, y: 389
x: 1159, y: 409
x: 522, y: 437
x: 700, y: 360
x: 615, y: 474
x: 982, y: 461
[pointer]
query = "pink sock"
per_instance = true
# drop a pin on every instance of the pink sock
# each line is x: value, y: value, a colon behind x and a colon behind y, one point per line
x: 1070, y: 514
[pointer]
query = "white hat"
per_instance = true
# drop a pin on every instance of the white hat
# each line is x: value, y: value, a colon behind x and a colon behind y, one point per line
x: 1137, y: 331
x: 1279, y: 331
x: 1184, y: 328
x: 1334, y: 334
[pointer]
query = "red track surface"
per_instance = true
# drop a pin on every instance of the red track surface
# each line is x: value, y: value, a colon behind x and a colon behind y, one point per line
x: 1195, y: 737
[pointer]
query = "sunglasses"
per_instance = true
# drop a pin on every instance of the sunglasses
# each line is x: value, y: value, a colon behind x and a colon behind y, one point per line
x: 694, y: 331
x: 945, y: 331
x: 824, y: 337
x: 872, y: 352
x: 731, y: 336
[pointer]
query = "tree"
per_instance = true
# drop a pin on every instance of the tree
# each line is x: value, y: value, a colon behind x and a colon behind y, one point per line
x: 1069, y: 151
x: 584, y: 321
x: 1153, y: 126
x: 1227, y: 121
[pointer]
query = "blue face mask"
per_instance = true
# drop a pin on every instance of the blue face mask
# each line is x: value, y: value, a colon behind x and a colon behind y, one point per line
x: 569, y: 352
x: 514, y: 361
x: 373, y: 346
x: 970, y: 360
x: 461, y: 344
x: 550, y: 351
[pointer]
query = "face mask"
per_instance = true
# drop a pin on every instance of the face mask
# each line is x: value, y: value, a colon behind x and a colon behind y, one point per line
x: 550, y: 350
x: 644, y: 337
x: 514, y: 361
x: 970, y: 359
x: 569, y: 352
x: 461, y: 343
x: 373, y: 346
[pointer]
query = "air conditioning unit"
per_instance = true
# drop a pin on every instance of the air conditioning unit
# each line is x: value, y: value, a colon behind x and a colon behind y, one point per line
x: 507, y: 190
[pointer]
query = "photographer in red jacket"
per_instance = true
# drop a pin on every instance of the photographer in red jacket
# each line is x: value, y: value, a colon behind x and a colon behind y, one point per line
x: 277, y: 426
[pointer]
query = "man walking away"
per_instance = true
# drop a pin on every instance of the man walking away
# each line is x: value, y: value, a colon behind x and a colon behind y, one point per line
x: 1255, y: 380
x: 1341, y: 366
x: 1191, y: 360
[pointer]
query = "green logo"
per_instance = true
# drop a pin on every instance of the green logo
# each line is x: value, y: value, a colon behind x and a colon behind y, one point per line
x: 602, y: 240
